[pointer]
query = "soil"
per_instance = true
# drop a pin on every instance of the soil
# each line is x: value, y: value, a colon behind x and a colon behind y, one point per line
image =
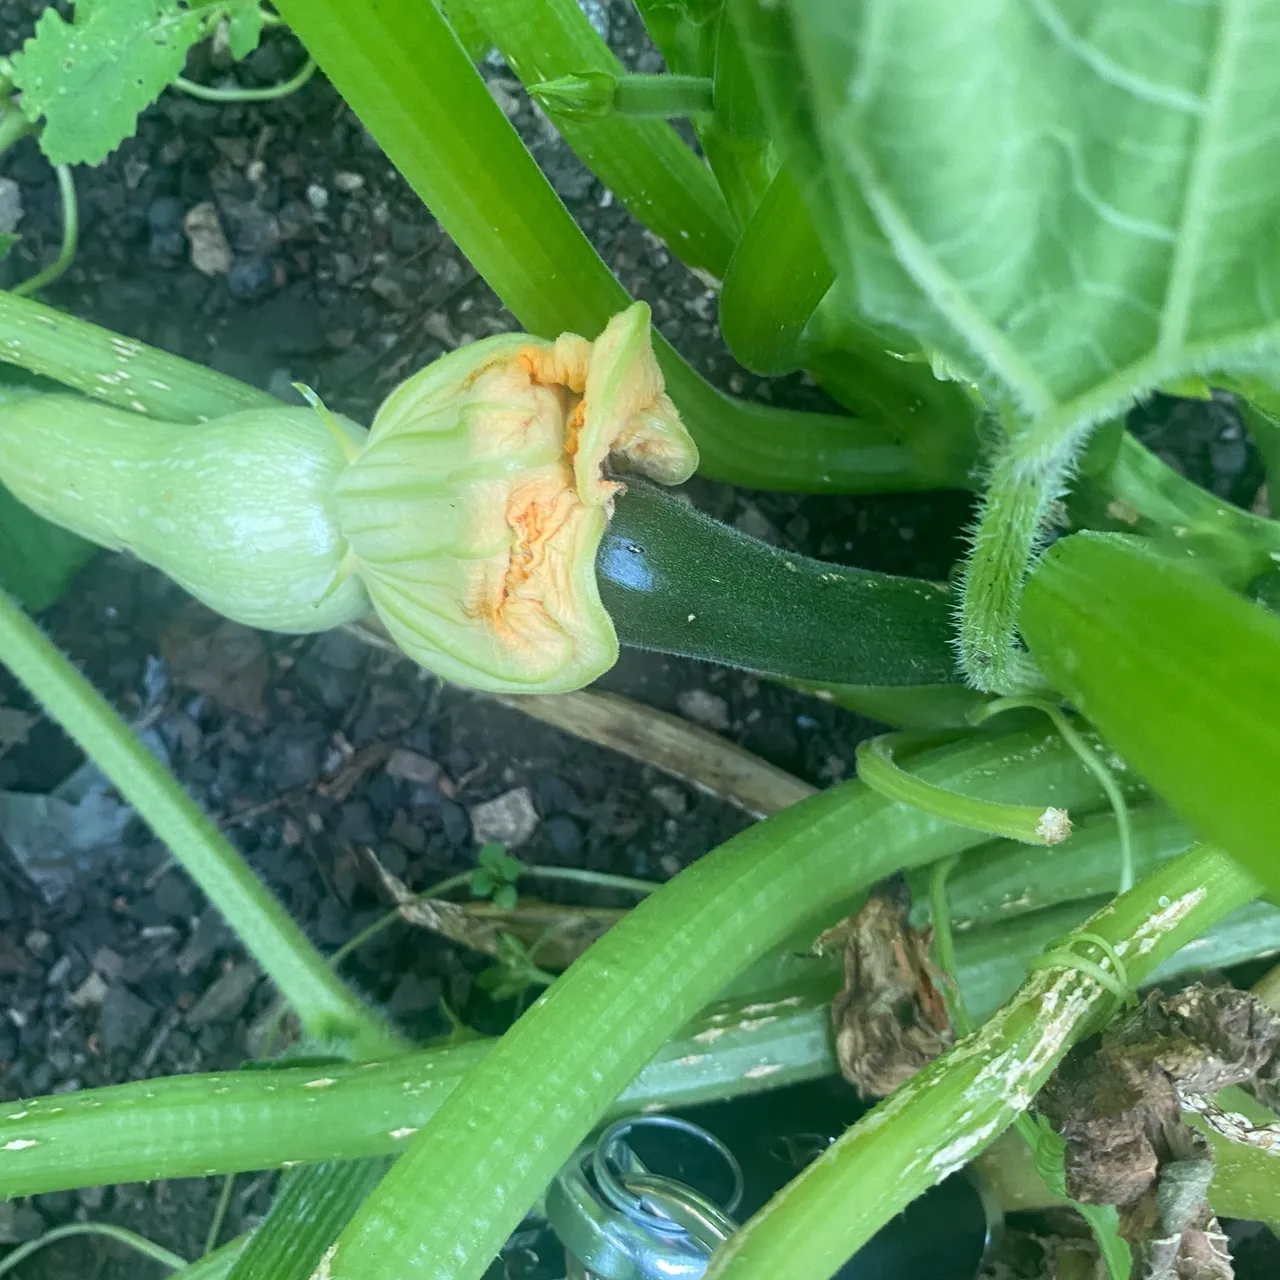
x: 339, y: 278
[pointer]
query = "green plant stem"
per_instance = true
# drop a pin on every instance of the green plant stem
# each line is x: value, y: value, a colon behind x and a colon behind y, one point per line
x: 771, y: 1034
x: 1267, y: 988
x: 410, y: 82
x: 944, y: 943
x: 329, y: 1012
x: 1124, y: 486
x: 219, y: 1215
x: 115, y: 369
x: 777, y: 276
x: 70, y: 236
x: 148, y: 1248
x: 596, y: 94
x: 216, y: 1265
x: 266, y: 94
x: 1006, y: 879
x: 1091, y: 761
x: 954, y: 1108
x: 1028, y: 823
x: 311, y: 1207
x: 1027, y: 477
x: 644, y: 163
x: 583, y: 1040
x: 597, y: 879
x: 13, y: 124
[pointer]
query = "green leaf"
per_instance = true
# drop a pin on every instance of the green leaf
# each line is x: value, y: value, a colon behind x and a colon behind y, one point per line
x: 244, y: 27
x: 37, y: 559
x: 7, y: 240
x: 505, y: 896
x: 1072, y: 202
x: 90, y: 79
x: 1180, y: 675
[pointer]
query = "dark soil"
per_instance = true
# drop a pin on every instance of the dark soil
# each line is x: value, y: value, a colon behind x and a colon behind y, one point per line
x: 340, y: 279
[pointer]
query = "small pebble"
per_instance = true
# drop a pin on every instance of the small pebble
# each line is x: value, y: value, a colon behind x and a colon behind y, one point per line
x: 347, y: 182
x: 249, y: 277
x: 671, y: 798
x: 210, y: 252
x: 704, y: 708
x: 510, y: 819
x: 317, y: 197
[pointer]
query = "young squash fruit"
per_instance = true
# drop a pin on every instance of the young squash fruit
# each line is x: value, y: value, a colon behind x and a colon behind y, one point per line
x: 468, y: 517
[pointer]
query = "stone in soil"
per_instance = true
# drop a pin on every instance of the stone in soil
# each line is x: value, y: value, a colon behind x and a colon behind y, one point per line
x: 510, y: 819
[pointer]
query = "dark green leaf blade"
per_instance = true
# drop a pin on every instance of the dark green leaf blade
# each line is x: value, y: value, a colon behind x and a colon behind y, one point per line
x: 36, y: 558
x: 1181, y: 676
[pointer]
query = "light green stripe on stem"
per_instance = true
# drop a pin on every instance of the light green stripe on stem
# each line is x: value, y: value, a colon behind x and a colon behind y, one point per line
x: 520, y: 1114
x: 231, y: 1122
x: 116, y: 369
x: 326, y: 1008
x: 409, y: 80
x: 953, y: 1109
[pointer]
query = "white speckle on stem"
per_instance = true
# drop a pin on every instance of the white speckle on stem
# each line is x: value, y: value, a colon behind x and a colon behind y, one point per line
x: 323, y: 1083
x: 20, y: 1144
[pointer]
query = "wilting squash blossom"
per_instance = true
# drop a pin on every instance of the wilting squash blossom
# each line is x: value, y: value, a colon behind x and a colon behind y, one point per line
x: 468, y: 516
x: 474, y: 512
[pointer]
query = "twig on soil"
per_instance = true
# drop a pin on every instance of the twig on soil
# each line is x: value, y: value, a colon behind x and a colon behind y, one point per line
x: 702, y: 759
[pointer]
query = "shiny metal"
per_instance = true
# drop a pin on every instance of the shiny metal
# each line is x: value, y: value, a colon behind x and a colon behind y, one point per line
x: 611, y: 1144
x: 649, y: 1227
x: 696, y: 1215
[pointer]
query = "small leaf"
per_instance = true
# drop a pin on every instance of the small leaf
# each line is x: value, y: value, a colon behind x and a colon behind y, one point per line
x: 90, y: 79
x: 244, y: 27
x: 7, y: 240
x: 482, y: 882
x: 1179, y: 674
x: 490, y: 854
x: 505, y: 897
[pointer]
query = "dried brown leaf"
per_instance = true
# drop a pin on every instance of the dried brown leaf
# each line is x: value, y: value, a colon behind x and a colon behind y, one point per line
x: 890, y: 1018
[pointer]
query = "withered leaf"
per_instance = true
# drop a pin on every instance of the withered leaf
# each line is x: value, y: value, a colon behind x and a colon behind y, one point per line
x: 890, y: 1018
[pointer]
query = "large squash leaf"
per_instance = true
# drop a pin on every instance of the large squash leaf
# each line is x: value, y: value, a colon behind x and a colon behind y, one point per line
x: 1072, y: 201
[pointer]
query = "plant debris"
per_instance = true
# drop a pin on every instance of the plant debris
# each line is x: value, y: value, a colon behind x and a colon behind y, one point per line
x: 890, y: 1018
x: 1118, y: 1103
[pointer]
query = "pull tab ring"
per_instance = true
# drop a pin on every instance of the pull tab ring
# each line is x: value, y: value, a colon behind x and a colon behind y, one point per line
x: 611, y: 1152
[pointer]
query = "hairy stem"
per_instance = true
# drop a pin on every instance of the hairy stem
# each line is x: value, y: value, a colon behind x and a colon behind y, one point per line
x: 1026, y: 479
